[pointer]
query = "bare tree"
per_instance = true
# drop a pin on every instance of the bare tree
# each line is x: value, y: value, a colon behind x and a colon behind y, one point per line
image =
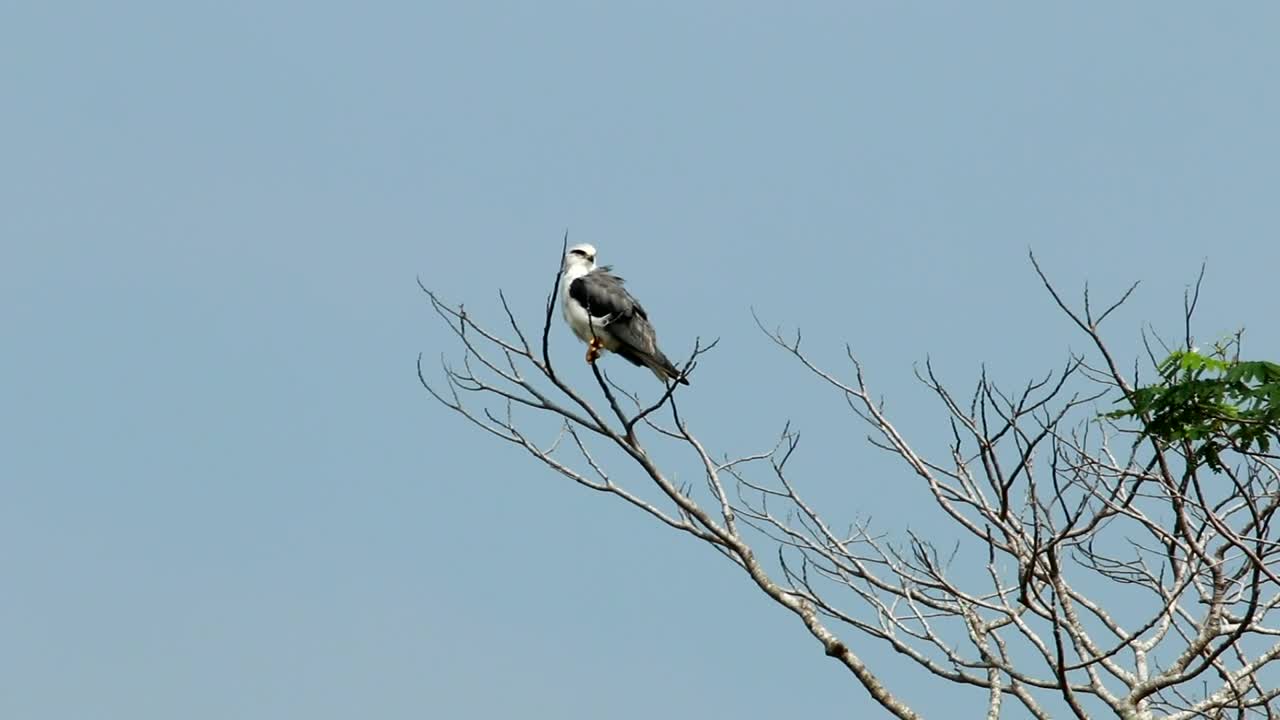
x: 1109, y: 570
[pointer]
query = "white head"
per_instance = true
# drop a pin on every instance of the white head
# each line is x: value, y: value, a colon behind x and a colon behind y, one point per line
x: 580, y: 260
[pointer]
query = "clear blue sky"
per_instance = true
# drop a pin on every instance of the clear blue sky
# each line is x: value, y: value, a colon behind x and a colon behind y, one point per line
x: 222, y: 493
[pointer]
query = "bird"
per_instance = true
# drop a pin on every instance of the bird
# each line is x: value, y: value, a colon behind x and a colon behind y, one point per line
x: 606, y: 317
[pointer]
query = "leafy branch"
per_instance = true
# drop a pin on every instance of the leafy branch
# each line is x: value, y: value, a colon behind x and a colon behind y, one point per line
x: 1212, y: 401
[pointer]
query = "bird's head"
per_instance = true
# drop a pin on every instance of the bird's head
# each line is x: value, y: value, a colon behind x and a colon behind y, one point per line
x: 580, y: 259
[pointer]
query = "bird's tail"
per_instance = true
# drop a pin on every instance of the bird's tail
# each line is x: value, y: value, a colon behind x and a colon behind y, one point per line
x: 663, y: 368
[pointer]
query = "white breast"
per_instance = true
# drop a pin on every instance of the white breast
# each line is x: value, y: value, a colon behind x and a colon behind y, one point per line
x: 574, y: 314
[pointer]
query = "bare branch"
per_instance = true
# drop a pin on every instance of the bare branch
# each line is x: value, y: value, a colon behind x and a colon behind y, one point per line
x: 1101, y: 568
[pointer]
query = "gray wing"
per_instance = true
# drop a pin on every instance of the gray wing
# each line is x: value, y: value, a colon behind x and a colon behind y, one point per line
x: 604, y: 297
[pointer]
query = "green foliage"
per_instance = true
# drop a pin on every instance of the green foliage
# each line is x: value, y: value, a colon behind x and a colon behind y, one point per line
x: 1212, y: 403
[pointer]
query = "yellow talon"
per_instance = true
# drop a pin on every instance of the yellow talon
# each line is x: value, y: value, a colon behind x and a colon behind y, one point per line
x: 593, y: 350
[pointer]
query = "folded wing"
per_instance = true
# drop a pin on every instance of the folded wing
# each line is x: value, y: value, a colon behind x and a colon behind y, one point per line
x: 619, y: 316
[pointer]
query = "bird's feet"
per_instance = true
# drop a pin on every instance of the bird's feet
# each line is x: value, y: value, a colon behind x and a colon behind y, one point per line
x: 593, y: 350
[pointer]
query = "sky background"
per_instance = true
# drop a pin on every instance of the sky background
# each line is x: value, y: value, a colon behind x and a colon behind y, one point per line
x: 223, y: 493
